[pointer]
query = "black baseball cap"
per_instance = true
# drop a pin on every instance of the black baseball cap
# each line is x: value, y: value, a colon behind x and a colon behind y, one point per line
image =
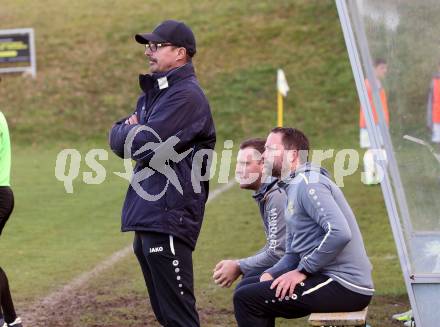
x: 172, y: 31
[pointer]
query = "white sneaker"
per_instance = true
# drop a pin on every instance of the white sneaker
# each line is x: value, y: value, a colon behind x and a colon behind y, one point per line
x: 15, y: 323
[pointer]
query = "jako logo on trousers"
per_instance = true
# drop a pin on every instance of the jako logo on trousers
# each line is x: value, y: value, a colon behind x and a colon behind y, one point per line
x: 157, y: 249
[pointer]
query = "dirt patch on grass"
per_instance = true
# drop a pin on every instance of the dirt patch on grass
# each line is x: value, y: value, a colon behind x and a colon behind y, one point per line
x: 383, y: 307
x: 102, y: 308
x: 105, y: 308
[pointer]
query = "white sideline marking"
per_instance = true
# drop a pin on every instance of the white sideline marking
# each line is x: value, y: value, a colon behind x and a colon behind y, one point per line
x: 51, y: 300
x: 219, y: 190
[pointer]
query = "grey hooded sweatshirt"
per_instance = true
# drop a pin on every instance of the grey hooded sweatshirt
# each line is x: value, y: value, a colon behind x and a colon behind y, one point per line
x: 272, y: 203
x: 322, y: 233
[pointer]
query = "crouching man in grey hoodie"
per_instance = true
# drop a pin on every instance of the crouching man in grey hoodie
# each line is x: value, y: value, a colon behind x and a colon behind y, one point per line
x: 271, y: 201
x: 325, y: 267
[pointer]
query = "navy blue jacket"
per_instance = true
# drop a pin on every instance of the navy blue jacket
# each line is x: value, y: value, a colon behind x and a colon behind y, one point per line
x: 174, y: 108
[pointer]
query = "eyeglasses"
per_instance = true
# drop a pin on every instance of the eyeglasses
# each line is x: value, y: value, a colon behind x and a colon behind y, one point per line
x: 154, y: 46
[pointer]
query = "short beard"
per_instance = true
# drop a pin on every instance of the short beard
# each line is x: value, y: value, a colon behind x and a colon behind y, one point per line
x: 273, y: 170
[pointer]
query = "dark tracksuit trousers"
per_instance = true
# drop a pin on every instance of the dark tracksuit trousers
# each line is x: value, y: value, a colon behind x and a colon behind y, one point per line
x: 166, y: 264
x: 6, y: 304
x: 255, y: 304
x: 255, y: 272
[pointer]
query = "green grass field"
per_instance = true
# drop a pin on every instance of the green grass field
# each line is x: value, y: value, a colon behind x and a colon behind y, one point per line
x: 54, y: 236
x: 87, y: 78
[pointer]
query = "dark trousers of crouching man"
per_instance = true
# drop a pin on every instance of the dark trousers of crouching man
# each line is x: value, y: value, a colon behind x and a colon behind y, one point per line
x: 256, y: 304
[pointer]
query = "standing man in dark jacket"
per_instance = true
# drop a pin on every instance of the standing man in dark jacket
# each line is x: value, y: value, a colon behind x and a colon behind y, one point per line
x: 169, y: 135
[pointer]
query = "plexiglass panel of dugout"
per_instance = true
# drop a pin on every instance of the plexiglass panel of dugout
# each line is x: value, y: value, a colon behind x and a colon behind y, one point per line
x: 401, y: 105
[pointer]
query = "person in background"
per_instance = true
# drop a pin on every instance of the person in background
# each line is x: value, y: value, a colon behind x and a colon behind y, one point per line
x: 8, y: 317
x: 371, y: 175
x: 271, y: 201
x: 433, y: 108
